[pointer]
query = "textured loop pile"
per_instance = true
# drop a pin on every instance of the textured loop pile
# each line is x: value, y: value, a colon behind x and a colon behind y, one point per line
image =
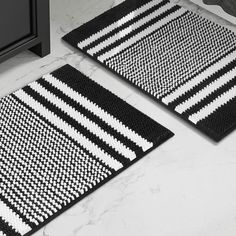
x: 179, y: 58
x: 62, y: 137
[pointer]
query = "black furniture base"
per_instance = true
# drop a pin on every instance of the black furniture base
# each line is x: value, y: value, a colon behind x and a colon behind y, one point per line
x: 228, y: 5
x: 24, y: 25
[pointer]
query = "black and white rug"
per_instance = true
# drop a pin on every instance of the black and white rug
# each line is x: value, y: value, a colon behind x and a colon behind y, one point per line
x: 181, y: 59
x: 61, y: 138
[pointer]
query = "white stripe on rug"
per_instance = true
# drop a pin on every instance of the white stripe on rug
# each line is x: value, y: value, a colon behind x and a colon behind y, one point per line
x: 118, y: 23
x: 61, y: 124
x: 85, y: 122
x: 98, y: 111
x: 2, y: 234
x: 224, y: 79
x: 141, y: 35
x: 13, y: 219
x: 210, y: 108
x: 121, y: 34
x: 199, y: 78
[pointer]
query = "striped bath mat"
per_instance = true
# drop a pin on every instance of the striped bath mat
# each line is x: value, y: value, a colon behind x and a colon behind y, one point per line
x: 61, y: 138
x: 179, y: 58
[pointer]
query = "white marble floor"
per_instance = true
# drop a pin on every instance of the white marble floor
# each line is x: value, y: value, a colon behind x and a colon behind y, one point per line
x: 184, y: 188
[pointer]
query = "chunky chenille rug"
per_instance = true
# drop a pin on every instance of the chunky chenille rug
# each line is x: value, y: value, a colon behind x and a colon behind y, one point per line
x: 61, y: 138
x: 179, y: 58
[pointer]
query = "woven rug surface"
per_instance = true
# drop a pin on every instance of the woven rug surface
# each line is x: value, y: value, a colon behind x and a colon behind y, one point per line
x: 62, y: 137
x: 179, y: 58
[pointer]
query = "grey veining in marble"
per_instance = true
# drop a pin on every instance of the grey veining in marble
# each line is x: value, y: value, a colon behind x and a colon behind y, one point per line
x: 186, y: 187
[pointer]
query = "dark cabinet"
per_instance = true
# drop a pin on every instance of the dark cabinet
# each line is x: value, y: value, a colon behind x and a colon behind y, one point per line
x: 17, y: 22
x: 24, y: 24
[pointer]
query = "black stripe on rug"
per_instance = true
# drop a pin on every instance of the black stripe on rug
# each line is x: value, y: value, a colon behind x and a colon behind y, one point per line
x: 6, y: 229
